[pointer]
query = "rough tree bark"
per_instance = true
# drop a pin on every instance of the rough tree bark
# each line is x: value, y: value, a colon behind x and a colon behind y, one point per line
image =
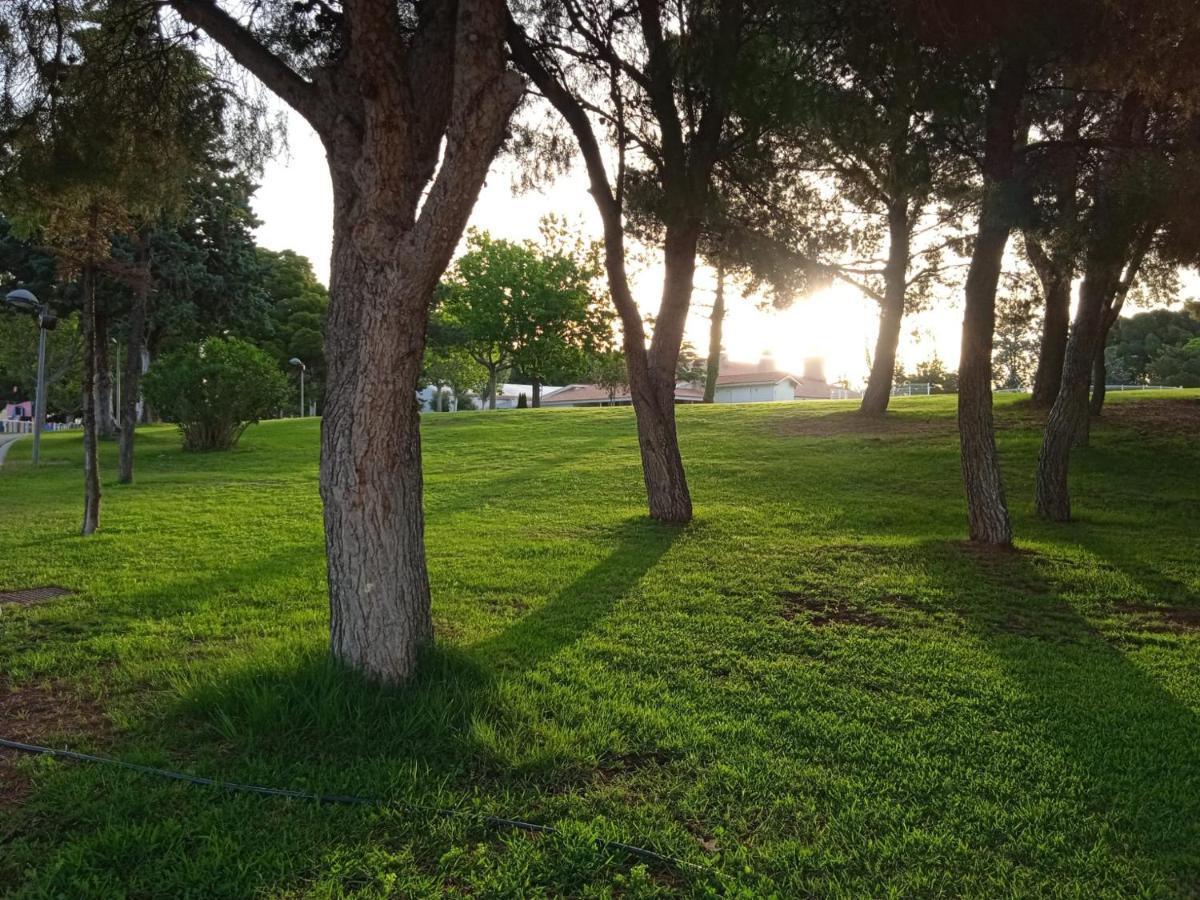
x: 987, y: 510
x: 411, y: 115
x: 134, y: 346
x: 1109, y: 241
x: 91, y: 459
x: 715, y: 327
x: 891, y: 312
x: 1068, y: 418
x: 1054, y: 273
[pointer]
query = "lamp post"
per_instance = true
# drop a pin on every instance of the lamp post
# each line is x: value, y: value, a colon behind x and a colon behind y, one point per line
x: 295, y: 361
x: 26, y: 302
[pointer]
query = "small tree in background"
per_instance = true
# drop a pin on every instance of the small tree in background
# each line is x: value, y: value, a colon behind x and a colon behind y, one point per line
x: 214, y: 389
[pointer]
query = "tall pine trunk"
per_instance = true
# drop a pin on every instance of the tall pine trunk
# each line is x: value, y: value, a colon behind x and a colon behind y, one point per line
x: 1054, y: 275
x: 134, y: 348
x: 91, y: 459
x: 1067, y: 424
x: 1111, y: 239
x: 715, y: 327
x: 891, y: 313
x: 987, y: 510
x: 536, y: 400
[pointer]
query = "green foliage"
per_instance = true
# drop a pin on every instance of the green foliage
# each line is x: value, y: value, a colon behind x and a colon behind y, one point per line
x: 1178, y: 366
x: 525, y: 306
x: 608, y: 370
x: 934, y: 372
x: 522, y: 401
x: 214, y: 389
x: 814, y: 691
x: 1135, y: 342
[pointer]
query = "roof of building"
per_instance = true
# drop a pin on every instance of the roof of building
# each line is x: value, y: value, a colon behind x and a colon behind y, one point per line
x: 755, y: 377
x: 591, y: 393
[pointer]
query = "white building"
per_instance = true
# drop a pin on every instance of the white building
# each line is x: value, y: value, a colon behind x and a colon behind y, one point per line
x: 764, y: 382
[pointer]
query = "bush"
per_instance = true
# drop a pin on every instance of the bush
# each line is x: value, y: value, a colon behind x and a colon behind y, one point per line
x: 214, y: 389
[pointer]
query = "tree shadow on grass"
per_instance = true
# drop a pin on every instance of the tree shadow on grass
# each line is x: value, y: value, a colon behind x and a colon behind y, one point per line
x: 302, y: 706
x: 1126, y: 740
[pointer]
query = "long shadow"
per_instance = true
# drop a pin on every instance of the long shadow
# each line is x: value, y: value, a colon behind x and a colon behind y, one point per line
x: 1121, y: 735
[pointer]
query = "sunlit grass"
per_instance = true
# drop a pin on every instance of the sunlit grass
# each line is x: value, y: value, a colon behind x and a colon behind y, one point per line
x: 814, y: 689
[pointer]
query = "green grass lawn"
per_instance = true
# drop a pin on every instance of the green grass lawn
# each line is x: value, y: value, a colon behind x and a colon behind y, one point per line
x: 816, y: 689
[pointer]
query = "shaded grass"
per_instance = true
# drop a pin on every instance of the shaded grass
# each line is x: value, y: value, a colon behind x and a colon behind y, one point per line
x: 965, y: 724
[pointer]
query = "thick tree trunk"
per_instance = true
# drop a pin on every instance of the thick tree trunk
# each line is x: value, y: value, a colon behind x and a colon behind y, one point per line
x: 135, y: 344
x: 987, y: 510
x: 537, y: 394
x: 891, y: 314
x: 371, y: 456
x: 91, y: 460
x: 1068, y: 420
x: 715, y: 327
x: 1054, y: 274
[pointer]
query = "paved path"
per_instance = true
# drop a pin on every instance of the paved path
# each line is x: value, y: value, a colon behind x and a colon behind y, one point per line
x: 6, y: 441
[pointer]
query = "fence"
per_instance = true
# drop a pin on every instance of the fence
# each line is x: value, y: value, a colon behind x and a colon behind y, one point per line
x: 25, y: 426
x: 1142, y: 387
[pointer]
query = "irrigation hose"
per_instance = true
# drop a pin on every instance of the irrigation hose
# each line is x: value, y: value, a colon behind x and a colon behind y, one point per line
x: 497, y: 822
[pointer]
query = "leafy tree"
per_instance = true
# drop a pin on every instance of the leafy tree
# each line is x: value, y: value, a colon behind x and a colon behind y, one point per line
x: 214, y: 390
x: 451, y: 368
x: 1015, y: 352
x: 608, y: 371
x: 299, y: 308
x: 1137, y: 341
x: 934, y: 373
x: 519, y: 305
x: 1178, y: 365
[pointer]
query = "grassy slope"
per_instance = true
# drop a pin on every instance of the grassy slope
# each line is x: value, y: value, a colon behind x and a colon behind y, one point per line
x: 950, y: 724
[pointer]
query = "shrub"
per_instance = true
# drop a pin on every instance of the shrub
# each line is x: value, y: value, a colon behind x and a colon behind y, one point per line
x: 214, y: 389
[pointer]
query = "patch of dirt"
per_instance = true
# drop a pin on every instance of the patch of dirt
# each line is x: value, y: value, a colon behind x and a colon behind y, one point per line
x: 30, y: 596
x: 41, y: 713
x: 1165, y: 619
x: 1155, y: 416
x: 822, y: 611
x: 851, y: 423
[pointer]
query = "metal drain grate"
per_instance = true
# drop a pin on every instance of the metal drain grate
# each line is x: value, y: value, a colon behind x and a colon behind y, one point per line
x: 29, y: 596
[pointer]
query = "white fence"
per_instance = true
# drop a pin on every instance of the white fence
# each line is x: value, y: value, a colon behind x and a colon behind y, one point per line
x: 24, y: 426
x: 1142, y: 387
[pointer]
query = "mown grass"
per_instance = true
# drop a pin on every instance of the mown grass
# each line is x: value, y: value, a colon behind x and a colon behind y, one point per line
x: 814, y: 690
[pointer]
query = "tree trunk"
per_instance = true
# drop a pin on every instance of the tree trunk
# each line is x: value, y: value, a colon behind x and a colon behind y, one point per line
x: 491, y: 388
x: 537, y: 394
x: 1054, y: 274
x: 716, y: 326
x: 91, y: 460
x: 891, y: 314
x: 135, y: 344
x: 106, y: 425
x: 652, y: 383
x: 1099, y: 377
x: 1111, y: 241
x: 987, y: 510
x: 371, y: 481
x: 1068, y: 420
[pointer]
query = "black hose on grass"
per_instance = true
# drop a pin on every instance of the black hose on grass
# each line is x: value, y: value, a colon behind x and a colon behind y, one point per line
x: 497, y: 822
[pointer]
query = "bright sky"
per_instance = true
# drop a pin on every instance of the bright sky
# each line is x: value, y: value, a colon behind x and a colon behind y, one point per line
x: 295, y: 205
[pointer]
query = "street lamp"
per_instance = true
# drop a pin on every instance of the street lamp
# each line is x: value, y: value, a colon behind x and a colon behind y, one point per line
x: 26, y: 302
x: 295, y: 361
